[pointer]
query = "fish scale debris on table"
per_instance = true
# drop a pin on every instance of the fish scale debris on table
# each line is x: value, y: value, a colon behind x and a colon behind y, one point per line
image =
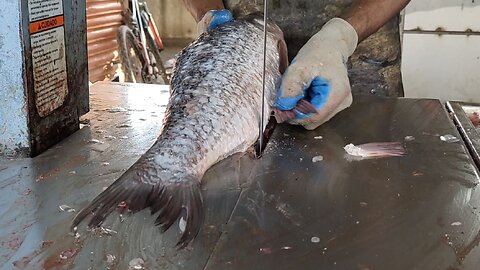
x: 213, y: 112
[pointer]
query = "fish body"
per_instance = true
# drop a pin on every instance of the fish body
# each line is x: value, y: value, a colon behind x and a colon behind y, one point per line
x: 213, y: 112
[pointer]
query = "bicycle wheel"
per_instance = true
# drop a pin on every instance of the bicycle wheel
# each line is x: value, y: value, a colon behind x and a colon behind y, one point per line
x: 156, y: 62
x: 130, y: 55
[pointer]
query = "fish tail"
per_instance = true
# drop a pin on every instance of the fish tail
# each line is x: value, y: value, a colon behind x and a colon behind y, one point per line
x: 165, y: 198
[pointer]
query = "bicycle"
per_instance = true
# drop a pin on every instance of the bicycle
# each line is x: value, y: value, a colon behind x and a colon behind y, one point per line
x: 139, y: 46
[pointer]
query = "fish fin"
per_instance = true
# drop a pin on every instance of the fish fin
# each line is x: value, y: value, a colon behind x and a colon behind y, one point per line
x: 376, y: 150
x: 168, y: 199
x: 283, y: 51
x: 283, y: 116
x: 303, y: 106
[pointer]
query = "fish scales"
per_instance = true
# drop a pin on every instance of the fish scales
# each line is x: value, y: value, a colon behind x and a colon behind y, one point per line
x: 229, y: 79
x: 213, y: 112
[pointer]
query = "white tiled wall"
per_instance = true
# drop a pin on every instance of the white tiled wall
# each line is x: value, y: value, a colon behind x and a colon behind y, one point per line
x: 451, y: 15
x: 443, y: 66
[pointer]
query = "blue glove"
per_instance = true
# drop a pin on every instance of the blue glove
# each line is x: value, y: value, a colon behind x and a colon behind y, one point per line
x: 214, y: 18
x: 316, y: 94
x: 219, y: 17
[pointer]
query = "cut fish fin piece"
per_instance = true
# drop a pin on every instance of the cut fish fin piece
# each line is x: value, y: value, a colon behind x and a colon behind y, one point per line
x: 283, y: 116
x: 167, y: 199
x: 305, y: 107
x: 376, y: 149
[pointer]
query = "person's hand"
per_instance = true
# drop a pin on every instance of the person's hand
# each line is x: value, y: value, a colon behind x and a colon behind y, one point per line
x: 318, y: 76
x: 214, y: 18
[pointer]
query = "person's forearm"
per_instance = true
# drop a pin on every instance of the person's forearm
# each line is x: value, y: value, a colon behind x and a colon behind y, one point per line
x: 367, y: 16
x: 198, y: 8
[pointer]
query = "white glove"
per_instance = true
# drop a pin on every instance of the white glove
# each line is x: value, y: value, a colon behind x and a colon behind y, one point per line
x: 318, y: 75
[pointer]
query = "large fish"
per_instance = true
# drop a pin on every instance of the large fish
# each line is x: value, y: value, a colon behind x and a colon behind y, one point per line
x: 213, y: 112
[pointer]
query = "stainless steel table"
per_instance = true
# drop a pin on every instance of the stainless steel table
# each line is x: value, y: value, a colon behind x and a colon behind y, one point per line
x: 467, y: 118
x: 420, y: 211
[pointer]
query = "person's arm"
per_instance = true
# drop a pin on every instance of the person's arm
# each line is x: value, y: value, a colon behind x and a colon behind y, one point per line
x: 198, y: 8
x: 319, y: 73
x: 367, y: 16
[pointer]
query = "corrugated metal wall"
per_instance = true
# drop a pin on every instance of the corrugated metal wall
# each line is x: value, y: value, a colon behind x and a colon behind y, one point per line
x: 103, y: 19
x: 172, y: 19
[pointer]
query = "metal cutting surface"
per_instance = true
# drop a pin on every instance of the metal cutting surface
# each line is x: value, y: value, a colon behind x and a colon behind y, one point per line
x: 283, y: 211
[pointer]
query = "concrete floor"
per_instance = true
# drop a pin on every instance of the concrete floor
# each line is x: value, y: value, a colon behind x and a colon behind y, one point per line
x: 172, y: 48
x: 420, y: 211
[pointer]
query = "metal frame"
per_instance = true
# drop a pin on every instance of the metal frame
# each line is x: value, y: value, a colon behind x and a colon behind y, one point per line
x: 470, y: 134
